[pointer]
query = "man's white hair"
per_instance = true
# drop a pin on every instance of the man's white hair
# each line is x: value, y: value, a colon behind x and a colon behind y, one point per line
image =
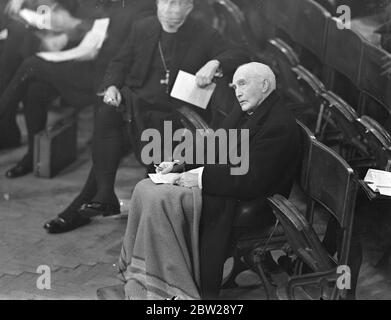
x: 261, y: 72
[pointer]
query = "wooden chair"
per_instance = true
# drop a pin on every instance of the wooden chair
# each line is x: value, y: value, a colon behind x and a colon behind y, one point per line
x: 374, y: 81
x: 313, y: 88
x: 342, y: 58
x: 378, y: 142
x: 344, y: 51
x: 332, y: 186
x: 311, y: 27
x: 260, y: 29
x: 282, y: 58
x: 339, y: 127
x: 253, y: 243
x: 232, y: 24
x: 282, y: 14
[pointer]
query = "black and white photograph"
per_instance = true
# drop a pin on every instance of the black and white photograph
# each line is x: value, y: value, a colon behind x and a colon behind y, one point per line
x: 213, y: 151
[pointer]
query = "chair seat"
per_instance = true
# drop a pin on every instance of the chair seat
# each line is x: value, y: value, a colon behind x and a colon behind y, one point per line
x: 260, y: 238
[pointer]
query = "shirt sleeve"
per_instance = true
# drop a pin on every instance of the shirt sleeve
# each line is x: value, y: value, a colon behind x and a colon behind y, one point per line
x: 199, y: 171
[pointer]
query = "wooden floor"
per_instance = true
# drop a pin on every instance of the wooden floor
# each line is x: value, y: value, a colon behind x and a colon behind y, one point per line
x: 84, y: 260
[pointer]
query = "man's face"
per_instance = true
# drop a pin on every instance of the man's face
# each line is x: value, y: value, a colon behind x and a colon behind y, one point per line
x: 249, y: 89
x: 173, y: 13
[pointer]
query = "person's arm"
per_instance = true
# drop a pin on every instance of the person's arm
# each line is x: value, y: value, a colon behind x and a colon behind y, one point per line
x: 269, y: 157
x: 119, y: 67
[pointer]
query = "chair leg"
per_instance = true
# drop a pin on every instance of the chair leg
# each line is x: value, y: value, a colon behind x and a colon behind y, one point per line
x: 271, y: 290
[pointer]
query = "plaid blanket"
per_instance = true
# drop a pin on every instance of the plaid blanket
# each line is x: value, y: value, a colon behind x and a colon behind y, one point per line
x: 160, y: 253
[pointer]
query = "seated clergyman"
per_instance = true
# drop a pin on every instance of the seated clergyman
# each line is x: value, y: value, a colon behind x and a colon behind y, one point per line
x: 177, y: 236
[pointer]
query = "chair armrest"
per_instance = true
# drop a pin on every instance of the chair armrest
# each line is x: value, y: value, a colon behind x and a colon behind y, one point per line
x: 377, y: 130
x: 308, y: 279
x: 316, y: 85
x: 192, y: 120
x: 285, y: 49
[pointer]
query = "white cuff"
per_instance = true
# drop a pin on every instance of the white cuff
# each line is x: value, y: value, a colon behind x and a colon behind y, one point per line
x: 200, y: 178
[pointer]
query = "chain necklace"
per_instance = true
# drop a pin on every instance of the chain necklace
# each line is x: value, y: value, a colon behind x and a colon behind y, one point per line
x: 165, y: 81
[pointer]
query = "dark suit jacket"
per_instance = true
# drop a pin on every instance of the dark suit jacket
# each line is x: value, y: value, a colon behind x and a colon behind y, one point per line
x: 122, y: 19
x: 274, y: 154
x: 197, y: 45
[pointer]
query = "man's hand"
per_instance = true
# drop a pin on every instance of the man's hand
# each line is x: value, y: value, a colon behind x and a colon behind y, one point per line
x: 14, y: 6
x: 188, y: 180
x: 167, y: 167
x: 206, y: 74
x: 112, y: 96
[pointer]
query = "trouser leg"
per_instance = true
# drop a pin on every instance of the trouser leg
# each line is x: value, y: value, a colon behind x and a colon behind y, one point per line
x: 85, y: 196
x: 107, y: 151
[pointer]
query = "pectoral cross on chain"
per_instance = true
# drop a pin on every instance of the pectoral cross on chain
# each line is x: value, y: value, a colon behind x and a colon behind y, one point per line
x: 166, y: 81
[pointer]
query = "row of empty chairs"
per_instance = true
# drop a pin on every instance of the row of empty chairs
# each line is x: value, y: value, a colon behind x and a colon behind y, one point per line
x: 362, y: 140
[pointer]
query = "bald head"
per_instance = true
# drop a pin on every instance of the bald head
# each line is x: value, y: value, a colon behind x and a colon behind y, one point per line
x: 253, y: 83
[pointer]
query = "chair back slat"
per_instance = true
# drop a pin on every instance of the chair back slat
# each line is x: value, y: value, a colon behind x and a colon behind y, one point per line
x: 378, y: 141
x: 331, y: 183
x: 282, y: 14
x: 374, y: 78
x: 344, y: 50
x: 314, y: 19
x: 231, y: 21
x: 306, y: 138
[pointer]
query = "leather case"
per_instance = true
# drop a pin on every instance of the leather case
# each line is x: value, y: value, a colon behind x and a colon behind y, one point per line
x: 55, y: 148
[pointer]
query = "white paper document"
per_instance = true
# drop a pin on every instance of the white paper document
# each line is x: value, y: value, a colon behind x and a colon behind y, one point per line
x: 379, y: 181
x: 169, y: 178
x: 87, y: 49
x: 186, y: 89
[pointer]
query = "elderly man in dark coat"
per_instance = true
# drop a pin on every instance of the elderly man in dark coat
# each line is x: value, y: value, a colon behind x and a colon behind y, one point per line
x: 272, y: 157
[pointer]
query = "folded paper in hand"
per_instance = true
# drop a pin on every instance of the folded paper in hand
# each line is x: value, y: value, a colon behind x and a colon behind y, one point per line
x: 186, y: 89
x: 88, y: 47
x: 379, y: 181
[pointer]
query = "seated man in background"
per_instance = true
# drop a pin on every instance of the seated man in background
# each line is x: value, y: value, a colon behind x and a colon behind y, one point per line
x: 177, y: 237
x: 140, y: 78
x: 37, y: 81
x: 20, y: 44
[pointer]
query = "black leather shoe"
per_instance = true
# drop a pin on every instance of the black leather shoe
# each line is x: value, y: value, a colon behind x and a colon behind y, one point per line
x: 60, y: 225
x: 19, y: 170
x: 94, y: 209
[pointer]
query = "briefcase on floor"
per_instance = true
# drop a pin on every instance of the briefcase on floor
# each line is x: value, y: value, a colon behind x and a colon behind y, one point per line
x: 55, y: 148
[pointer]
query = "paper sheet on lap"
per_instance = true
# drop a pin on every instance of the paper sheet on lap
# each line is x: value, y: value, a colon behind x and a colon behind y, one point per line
x: 169, y: 178
x: 92, y: 42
